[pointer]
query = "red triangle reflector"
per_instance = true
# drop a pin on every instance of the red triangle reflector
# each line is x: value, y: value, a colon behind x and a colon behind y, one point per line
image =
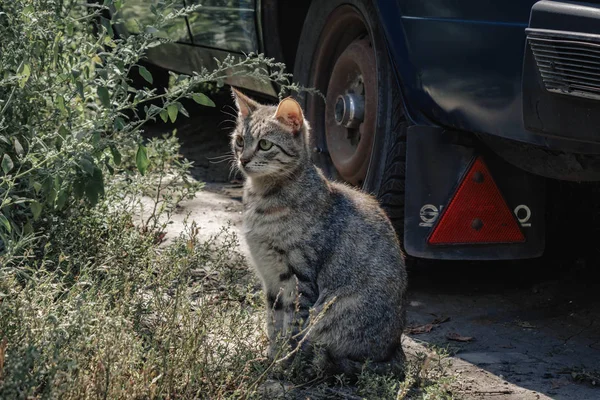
x: 477, y: 213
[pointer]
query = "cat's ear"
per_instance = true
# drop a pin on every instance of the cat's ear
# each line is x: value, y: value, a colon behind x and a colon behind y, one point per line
x: 244, y: 104
x: 290, y: 114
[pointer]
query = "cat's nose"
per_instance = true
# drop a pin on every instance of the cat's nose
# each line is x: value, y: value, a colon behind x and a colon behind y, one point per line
x: 244, y: 161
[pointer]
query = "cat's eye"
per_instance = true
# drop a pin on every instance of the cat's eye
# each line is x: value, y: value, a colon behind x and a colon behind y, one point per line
x: 265, y: 144
x: 239, y: 141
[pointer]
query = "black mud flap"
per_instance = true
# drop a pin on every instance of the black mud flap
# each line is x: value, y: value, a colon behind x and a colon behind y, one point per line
x: 437, y: 160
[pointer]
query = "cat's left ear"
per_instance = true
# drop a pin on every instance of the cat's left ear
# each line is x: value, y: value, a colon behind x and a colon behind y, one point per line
x: 290, y: 114
x: 245, y: 105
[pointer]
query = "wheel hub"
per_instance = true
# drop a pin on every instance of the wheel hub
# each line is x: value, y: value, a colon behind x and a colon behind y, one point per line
x: 349, y: 110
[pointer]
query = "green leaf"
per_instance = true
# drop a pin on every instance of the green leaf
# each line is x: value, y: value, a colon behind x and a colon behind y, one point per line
x: 87, y: 166
x: 49, y: 192
x: 203, y: 99
x: 146, y: 74
x: 60, y: 103
x: 172, y: 110
x: 119, y: 123
x: 116, y: 155
x: 110, y: 169
x: 61, y: 199
x: 118, y: 4
x: 28, y: 228
x: 4, y: 221
x: 103, y: 95
x: 79, y: 188
x: 109, y: 42
x: 37, y: 187
x: 94, y: 187
x: 56, y: 49
x: 91, y: 193
x: 62, y: 134
x: 152, y: 111
x: 70, y: 28
x: 106, y: 23
x: 3, y: 139
x: 18, y: 147
x: 25, y: 73
x: 28, y: 10
x: 7, y: 164
x: 63, y: 131
x: 164, y: 115
x: 36, y: 209
x: 141, y: 159
x: 183, y: 110
x: 96, y: 138
x: 79, y: 86
x: 97, y: 59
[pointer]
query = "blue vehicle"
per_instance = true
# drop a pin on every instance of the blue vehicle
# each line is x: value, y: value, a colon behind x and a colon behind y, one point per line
x: 452, y: 112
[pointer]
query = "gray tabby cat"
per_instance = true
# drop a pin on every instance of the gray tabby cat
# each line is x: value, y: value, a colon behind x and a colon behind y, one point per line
x: 316, y: 243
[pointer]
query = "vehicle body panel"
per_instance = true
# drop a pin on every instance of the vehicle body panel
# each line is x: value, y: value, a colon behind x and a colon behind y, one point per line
x: 215, y: 30
x: 187, y: 59
x: 460, y: 65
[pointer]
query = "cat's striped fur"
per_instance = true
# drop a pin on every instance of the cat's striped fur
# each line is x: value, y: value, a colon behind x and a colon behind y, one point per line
x: 313, y: 241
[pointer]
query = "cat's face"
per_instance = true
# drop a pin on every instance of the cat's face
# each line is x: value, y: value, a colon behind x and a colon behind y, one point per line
x: 268, y: 141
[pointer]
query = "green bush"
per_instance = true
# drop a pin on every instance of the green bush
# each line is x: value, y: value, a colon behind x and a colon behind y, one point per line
x: 69, y: 114
x: 90, y: 305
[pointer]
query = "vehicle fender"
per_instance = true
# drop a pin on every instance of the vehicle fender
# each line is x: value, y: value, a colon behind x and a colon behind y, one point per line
x: 406, y: 74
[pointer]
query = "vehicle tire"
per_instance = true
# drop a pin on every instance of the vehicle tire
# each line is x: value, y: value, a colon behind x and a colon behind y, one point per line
x: 342, y: 52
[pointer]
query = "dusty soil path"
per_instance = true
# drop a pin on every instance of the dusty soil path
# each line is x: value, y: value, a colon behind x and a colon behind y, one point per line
x: 534, y: 335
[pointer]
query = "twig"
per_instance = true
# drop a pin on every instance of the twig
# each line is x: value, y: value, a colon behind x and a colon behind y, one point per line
x: 492, y: 392
x: 310, y: 328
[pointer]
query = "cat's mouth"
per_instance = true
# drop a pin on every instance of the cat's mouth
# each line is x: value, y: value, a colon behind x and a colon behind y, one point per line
x: 249, y: 169
x: 256, y: 170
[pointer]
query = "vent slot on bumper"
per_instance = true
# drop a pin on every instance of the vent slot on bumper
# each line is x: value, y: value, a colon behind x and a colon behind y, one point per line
x: 567, y: 65
x: 561, y: 70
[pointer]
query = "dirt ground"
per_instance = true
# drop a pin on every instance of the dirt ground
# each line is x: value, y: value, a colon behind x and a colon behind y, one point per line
x: 529, y: 330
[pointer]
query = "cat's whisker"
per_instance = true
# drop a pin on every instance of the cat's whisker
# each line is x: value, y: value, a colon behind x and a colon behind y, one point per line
x: 227, y: 120
x: 230, y: 114
x: 219, y: 157
x: 218, y: 162
x: 232, y: 169
x: 232, y: 109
